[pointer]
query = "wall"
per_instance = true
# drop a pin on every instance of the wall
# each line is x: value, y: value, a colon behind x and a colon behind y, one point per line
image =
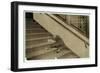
x: 5, y: 35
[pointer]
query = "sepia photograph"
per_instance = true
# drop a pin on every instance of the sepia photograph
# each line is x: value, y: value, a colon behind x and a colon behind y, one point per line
x: 52, y: 36
x: 56, y: 36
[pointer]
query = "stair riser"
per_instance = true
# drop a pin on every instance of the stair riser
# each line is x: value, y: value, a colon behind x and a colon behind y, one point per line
x: 68, y: 56
x: 37, y: 36
x: 38, y: 31
x: 34, y: 28
x: 31, y: 23
x: 37, y: 53
x: 38, y: 45
x: 29, y: 50
x: 35, y: 42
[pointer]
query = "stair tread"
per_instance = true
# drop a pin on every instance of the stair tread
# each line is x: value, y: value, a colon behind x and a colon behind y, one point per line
x: 70, y: 55
x: 38, y: 45
x: 34, y: 29
x: 39, y: 38
x: 29, y: 22
x: 52, y: 54
x: 36, y: 53
x: 35, y: 42
x: 37, y: 48
x: 33, y: 25
x: 37, y: 33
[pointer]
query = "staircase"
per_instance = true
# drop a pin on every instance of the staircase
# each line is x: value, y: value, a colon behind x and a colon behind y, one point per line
x: 72, y: 38
x: 39, y: 41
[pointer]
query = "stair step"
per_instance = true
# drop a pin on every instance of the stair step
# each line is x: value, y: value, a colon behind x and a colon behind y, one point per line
x: 70, y: 55
x: 37, y: 36
x: 36, y: 53
x: 38, y: 45
x: 30, y: 20
x: 44, y: 33
x: 28, y: 50
x: 35, y: 42
x: 31, y: 23
x: 52, y: 54
x: 34, y: 27
x: 37, y: 31
x: 37, y: 48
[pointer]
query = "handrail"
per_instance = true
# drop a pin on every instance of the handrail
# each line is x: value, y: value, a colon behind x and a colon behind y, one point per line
x: 63, y: 24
